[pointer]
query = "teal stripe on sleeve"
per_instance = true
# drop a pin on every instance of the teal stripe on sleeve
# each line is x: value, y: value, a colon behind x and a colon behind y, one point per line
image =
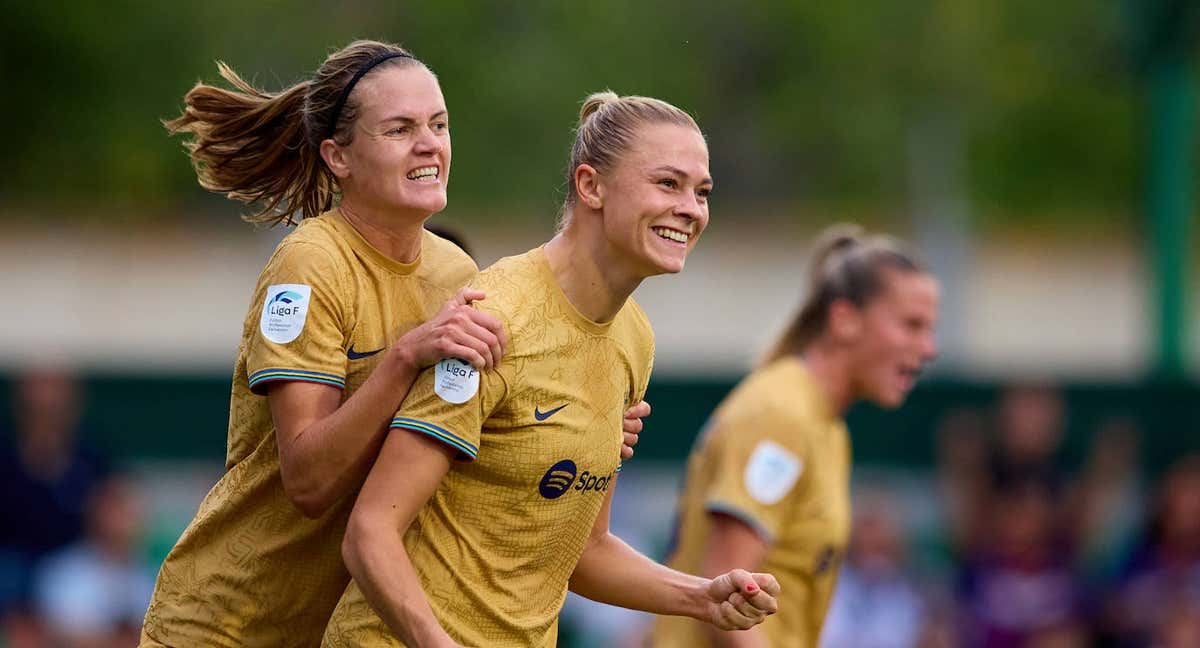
x: 441, y: 434
x: 269, y: 375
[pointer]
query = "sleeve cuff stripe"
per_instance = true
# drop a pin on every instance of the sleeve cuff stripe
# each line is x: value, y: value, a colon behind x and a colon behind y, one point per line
x: 296, y: 374
x: 740, y: 514
x: 436, y: 432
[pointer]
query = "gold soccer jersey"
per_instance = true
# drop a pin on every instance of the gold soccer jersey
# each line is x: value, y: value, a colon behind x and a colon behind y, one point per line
x: 774, y: 457
x: 540, y: 443
x: 251, y: 570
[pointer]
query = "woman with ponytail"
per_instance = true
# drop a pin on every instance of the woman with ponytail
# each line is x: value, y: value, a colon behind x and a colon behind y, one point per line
x: 350, y: 308
x: 768, y: 483
x: 491, y: 498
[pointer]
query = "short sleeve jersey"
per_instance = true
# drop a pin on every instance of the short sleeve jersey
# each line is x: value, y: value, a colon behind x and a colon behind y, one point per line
x: 250, y: 569
x: 539, y: 443
x: 773, y: 457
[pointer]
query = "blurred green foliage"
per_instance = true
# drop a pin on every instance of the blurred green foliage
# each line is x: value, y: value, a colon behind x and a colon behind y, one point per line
x: 806, y: 104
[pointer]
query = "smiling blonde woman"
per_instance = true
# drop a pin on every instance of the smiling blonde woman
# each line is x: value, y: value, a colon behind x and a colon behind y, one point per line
x: 491, y: 497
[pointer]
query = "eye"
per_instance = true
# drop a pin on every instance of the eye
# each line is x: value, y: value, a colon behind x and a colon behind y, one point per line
x: 441, y: 126
x: 669, y: 183
x: 400, y: 130
x: 705, y: 192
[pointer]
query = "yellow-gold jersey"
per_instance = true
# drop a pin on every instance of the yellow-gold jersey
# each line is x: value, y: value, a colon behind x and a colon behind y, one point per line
x: 250, y: 569
x: 775, y: 458
x: 539, y: 440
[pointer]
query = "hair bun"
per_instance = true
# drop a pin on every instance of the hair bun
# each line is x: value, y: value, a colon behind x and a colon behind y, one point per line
x: 594, y: 102
x: 834, y: 241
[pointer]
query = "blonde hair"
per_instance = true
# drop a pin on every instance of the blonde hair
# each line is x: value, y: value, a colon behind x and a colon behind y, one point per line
x: 606, y: 130
x: 260, y: 147
x: 847, y: 263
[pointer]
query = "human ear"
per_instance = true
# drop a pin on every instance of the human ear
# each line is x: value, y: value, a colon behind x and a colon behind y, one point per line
x: 588, y: 186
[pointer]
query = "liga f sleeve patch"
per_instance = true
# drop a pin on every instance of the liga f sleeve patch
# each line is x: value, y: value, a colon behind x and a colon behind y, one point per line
x: 771, y: 472
x: 284, y: 312
x: 455, y: 381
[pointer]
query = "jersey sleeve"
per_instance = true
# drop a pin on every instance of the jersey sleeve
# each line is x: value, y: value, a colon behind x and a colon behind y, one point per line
x: 302, y: 320
x: 757, y: 463
x: 449, y: 402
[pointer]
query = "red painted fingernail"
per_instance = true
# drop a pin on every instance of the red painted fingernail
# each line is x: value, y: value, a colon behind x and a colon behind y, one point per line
x: 751, y: 587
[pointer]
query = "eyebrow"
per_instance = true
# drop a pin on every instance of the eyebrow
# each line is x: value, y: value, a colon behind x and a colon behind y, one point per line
x: 680, y: 172
x: 410, y: 120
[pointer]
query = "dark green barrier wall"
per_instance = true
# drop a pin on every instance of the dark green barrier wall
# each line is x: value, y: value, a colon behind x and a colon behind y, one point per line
x: 185, y: 417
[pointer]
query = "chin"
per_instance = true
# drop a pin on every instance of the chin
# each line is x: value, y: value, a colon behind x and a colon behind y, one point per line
x: 889, y: 400
x: 669, y: 266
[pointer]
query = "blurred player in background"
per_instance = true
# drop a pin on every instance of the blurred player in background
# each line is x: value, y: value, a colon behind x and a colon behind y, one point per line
x: 491, y: 499
x: 351, y: 306
x: 768, y: 483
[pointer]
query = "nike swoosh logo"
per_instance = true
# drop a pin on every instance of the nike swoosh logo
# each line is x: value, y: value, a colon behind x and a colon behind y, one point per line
x: 355, y: 355
x: 542, y: 416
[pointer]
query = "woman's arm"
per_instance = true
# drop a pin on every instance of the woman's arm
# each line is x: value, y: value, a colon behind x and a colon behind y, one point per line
x: 732, y: 544
x: 325, y: 450
x: 612, y: 572
x: 404, y: 477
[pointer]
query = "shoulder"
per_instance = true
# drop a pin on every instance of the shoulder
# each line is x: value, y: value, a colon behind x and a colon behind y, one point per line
x: 637, y: 336
x: 445, y: 263
x: 513, y: 286
x: 637, y: 319
x: 315, y: 244
x: 766, y: 407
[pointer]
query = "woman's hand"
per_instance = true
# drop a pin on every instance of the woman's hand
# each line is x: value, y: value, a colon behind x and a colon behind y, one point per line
x: 632, y: 426
x: 739, y: 600
x: 457, y: 331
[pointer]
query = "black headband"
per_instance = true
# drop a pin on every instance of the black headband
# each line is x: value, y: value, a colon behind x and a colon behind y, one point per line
x: 362, y: 71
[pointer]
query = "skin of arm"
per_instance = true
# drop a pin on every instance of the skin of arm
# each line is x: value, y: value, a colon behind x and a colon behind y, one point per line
x: 612, y: 572
x: 408, y: 471
x: 733, y: 544
x: 325, y: 449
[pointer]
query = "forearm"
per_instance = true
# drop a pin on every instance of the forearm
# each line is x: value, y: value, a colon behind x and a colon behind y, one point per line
x: 612, y: 572
x: 330, y: 457
x: 375, y: 556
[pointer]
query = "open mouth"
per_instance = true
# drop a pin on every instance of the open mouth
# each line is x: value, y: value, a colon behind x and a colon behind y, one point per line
x: 671, y: 235
x: 425, y: 173
x: 910, y: 373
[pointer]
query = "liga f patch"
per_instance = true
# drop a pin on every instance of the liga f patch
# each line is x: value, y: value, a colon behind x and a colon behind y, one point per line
x: 284, y: 312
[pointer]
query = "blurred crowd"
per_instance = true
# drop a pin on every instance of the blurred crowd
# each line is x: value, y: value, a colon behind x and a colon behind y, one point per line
x: 1039, y: 556
x: 72, y: 570
x: 1033, y: 551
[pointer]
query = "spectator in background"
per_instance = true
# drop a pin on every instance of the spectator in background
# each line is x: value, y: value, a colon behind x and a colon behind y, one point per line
x: 964, y: 484
x: 1161, y: 580
x: 1029, y: 435
x: 1107, y: 499
x: 46, y: 476
x: 93, y: 594
x: 1020, y: 585
x: 875, y: 603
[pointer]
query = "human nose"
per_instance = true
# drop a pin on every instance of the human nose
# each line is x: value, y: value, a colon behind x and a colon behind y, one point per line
x: 429, y: 142
x: 691, y: 208
x: 929, y: 350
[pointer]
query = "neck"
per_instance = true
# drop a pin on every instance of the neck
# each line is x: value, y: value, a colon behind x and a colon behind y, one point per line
x: 395, y: 234
x: 595, y: 282
x: 831, y: 371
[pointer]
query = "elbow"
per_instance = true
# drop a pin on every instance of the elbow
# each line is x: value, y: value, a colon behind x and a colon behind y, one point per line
x: 356, y: 541
x: 311, y: 506
x: 309, y: 498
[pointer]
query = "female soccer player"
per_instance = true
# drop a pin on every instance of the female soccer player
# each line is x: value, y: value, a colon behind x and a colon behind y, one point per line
x: 768, y: 484
x: 481, y: 551
x: 349, y: 309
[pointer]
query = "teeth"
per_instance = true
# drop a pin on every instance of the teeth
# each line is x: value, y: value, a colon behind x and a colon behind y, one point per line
x: 671, y: 234
x: 423, y: 172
